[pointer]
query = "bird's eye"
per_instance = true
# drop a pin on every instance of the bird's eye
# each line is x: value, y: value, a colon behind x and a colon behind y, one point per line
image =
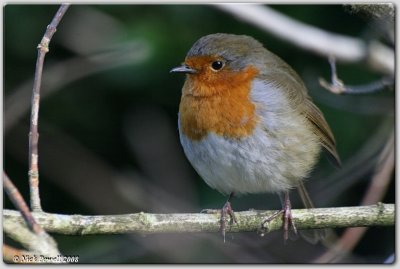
x: 217, y: 65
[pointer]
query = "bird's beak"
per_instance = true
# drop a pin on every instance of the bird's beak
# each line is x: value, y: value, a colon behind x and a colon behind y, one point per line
x: 183, y: 69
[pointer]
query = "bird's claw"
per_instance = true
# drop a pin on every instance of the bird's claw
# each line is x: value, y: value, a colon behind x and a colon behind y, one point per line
x: 288, y: 221
x: 225, y: 211
x: 209, y: 211
x: 265, y: 225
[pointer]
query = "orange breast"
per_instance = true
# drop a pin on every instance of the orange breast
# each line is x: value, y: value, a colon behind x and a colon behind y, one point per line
x: 218, y: 102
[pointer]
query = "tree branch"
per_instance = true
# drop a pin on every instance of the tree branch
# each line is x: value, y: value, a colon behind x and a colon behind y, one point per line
x: 27, y: 232
x: 248, y: 221
x: 43, y: 48
x: 41, y: 244
x: 337, y: 86
x: 343, y: 48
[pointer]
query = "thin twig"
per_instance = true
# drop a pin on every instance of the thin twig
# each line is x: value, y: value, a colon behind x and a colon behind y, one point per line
x: 248, y: 221
x: 19, y: 202
x: 43, y: 48
x: 338, y: 87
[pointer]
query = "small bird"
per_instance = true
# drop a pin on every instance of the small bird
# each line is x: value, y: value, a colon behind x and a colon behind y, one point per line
x: 247, y: 123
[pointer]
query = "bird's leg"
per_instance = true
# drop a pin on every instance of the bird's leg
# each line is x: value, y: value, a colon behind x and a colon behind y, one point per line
x: 287, y: 217
x: 227, y: 210
x: 286, y: 211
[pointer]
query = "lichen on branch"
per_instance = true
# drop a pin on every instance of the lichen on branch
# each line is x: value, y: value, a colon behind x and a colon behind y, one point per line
x: 248, y: 221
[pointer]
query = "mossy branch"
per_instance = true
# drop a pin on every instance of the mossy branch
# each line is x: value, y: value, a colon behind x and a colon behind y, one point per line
x: 248, y: 221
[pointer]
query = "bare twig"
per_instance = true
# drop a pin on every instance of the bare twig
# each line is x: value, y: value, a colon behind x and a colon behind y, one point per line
x: 377, y: 189
x: 338, y: 87
x: 19, y: 202
x: 343, y: 48
x: 382, y: 175
x: 43, y: 48
x: 145, y: 223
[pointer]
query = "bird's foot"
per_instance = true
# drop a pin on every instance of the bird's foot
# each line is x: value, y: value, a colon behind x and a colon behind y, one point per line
x: 288, y: 222
x: 288, y: 219
x: 265, y: 223
x: 210, y: 211
x: 225, y: 211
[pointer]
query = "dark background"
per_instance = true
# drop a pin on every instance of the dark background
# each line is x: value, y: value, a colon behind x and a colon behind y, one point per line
x: 108, y: 127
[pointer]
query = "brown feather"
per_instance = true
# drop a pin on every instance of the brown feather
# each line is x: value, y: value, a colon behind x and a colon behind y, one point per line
x: 322, y: 129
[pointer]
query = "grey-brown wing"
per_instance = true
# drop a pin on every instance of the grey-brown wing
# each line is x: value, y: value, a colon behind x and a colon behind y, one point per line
x: 322, y: 129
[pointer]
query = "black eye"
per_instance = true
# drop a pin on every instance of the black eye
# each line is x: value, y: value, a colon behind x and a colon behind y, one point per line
x: 217, y: 65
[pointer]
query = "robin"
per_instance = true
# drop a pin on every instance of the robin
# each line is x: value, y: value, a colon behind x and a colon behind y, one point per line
x: 247, y: 123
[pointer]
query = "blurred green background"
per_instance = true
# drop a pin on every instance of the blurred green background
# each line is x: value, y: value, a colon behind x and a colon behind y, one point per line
x: 108, y: 127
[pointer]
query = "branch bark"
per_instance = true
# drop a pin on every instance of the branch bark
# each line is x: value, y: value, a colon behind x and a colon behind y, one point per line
x: 248, y: 221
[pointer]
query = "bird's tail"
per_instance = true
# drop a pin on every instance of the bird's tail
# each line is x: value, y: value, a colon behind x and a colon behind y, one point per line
x: 326, y: 236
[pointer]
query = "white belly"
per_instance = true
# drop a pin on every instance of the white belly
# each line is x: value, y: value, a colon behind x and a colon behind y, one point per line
x: 251, y: 165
